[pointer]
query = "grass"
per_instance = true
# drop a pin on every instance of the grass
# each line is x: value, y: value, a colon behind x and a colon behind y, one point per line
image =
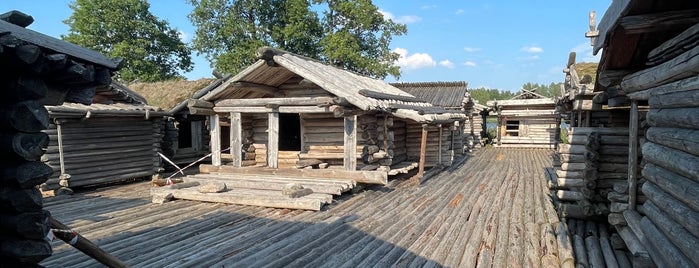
x: 167, y: 94
x: 584, y: 68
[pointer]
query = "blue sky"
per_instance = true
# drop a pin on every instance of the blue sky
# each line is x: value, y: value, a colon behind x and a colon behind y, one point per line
x: 496, y: 44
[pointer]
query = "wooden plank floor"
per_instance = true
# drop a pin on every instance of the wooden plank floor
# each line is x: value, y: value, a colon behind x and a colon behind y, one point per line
x: 488, y: 212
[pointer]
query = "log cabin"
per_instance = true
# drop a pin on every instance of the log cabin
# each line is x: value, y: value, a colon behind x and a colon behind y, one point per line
x: 648, y: 76
x: 526, y: 120
x: 291, y: 116
x: 38, y: 70
x: 111, y: 136
x: 452, y: 96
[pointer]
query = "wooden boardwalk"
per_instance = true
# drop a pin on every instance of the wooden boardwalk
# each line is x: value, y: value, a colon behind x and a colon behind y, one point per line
x: 494, y: 210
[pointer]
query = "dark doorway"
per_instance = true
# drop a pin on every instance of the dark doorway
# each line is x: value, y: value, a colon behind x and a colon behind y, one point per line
x: 184, y: 138
x: 289, y: 132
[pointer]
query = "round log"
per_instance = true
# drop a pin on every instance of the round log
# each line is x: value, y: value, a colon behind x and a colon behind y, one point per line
x: 30, y: 225
x: 20, y: 200
x: 26, y: 116
x: 26, y: 252
x: 27, y: 146
x: 25, y: 175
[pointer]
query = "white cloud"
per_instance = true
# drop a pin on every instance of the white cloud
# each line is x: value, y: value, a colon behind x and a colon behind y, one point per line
x: 472, y: 49
x: 408, y: 19
x: 447, y: 63
x: 470, y: 63
x: 583, y: 53
x: 414, y: 61
x: 184, y: 37
x: 533, y: 49
x: 459, y: 11
x: 425, y: 7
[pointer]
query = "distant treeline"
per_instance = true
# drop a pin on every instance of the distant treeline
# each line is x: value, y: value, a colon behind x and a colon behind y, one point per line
x: 483, y: 95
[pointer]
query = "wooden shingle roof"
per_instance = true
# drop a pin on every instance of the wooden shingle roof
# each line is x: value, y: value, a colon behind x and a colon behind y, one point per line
x: 443, y: 94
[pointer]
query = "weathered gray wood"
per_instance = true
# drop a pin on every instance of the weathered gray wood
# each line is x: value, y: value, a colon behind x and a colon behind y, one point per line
x: 683, y: 66
x: 680, y: 187
x: 594, y: 252
x: 678, y: 99
x: 236, y: 139
x: 674, y: 46
x: 20, y: 200
x: 671, y: 159
x: 215, y: 142
x: 663, y: 252
x: 288, y: 101
x: 371, y: 177
x: 386, y: 96
x: 686, y: 140
x: 273, y: 140
x: 25, y: 175
x: 678, y: 211
x: 30, y: 225
x: 632, y: 242
x: 633, y: 154
x: 24, y: 252
x: 676, y: 234
x: 26, y: 116
x: 677, y: 118
x: 662, y: 21
x: 84, y: 245
x: 350, y: 143
x: 27, y: 146
x: 423, y: 150
x: 250, y: 197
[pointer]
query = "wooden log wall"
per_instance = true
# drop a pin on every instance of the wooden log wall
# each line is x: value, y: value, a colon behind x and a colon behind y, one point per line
x: 432, y: 154
x: 323, y: 139
x: 591, y: 173
x: 378, y: 136
x: 32, y: 76
x: 532, y: 127
x: 102, y: 150
x: 258, y: 122
x: 666, y: 224
x: 170, y: 143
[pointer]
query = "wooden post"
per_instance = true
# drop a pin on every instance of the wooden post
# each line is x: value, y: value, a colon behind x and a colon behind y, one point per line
x: 439, y: 150
x: 557, y: 135
x: 500, y: 119
x: 423, y: 149
x: 273, y: 139
x: 59, y: 134
x: 215, y: 129
x: 587, y: 118
x: 86, y: 246
x: 633, y: 153
x: 236, y: 139
x: 350, y: 146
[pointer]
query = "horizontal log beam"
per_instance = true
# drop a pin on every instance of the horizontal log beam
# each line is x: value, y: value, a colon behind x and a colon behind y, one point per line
x: 370, y: 177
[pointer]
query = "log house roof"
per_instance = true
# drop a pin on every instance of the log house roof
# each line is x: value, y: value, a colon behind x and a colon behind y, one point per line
x: 277, y: 69
x: 443, y: 94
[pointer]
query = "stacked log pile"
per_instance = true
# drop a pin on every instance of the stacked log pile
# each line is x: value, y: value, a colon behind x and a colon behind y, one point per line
x: 667, y: 222
x: 596, y: 245
x: 32, y: 77
x: 378, y: 138
x: 592, y: 173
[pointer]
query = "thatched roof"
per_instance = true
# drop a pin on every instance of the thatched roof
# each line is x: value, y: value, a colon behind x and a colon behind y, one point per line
x: 443, y: 94
x: 167, y: 94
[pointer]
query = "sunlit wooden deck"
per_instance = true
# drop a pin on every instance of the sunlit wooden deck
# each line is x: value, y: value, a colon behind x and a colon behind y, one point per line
x: 494, y: 210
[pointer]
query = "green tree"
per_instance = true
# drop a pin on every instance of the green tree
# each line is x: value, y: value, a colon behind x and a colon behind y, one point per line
x: 125, y: 29
x: 351, y: 34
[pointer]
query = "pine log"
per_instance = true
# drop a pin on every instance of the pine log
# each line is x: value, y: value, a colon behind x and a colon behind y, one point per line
x: 677, y: 210
x: 682, y: 66
x: 680, y: 187
x: 686, y: 140
x: 663, y: 252
x: 679, y: 99
x: 26, y: 252
x: 568, y: 183
x: 25, y: 175
x: 677, y: 235
x: 25, y: 87
x: 17, y: 18
x: 573, y: 211
x: 26, y: 116
x: 565, y: 247
x: 27, y: 146
x: 618, y: 131
x: 679, y: 162
x: 578, y: 158
x: 20, y: 200
x: 84, y: 245
x: 675, y: 118
x: 569, y: 195
x: 30, y: 225
x: 594, y: 252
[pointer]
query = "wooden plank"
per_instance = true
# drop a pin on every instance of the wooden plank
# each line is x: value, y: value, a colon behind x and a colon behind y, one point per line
x: 350, y: 143
x: 236, y: 139
x: 282, y: 109
x: 272, y: 139
x: 370, y: 177
x: 662, y: 21
x: 289, y: 101
x: 387, y: 96
x: 633, y: 154
x: 423, y: 150
x: 244, y: 197
x: 215, y: 143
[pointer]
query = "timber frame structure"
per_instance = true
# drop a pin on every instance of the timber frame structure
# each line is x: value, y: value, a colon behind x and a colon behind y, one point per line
x: 344, y: 107
x: 526, y: 120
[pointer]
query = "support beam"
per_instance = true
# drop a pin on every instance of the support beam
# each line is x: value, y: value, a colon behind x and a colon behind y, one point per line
x: 261, y: 88
x: 289, y: 101
x: 439, y: 155
x: 236, y: 139
x: 215, y: 130
x: 273, y: 140
x: 633, y: 154
x: 423, y: 149
x: 350, y: 146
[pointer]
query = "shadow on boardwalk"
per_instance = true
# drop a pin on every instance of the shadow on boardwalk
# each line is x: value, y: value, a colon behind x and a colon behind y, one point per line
x: 490, y: 211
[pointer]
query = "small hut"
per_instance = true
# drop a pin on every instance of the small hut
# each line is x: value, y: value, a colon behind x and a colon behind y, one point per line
x: 526, y: 120
x: 452, y: 96
x: 650, y: 59
x: 287, y: 116
x: 114, y: 137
